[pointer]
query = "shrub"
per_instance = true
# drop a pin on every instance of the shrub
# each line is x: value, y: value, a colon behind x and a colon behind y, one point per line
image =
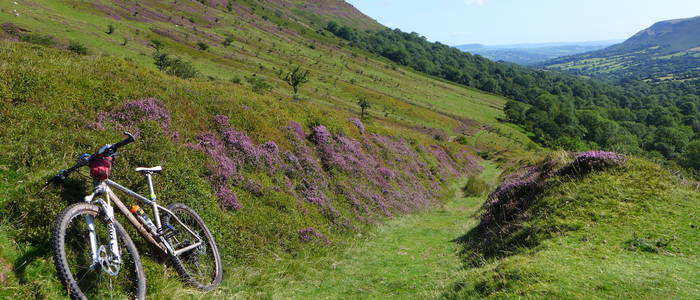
x: 592, y: 161
x: 174, y: 65
x: 203, y: 46
x: 39, y: 39
x: 110, y: 29
x: 259, y: 85
x: 475, y: 187
x: 228, y: 40
x: 181, y: 68
x: 77, y: 48
x: 462, y: 140
x: 236, y: 80
x: 157, y: 44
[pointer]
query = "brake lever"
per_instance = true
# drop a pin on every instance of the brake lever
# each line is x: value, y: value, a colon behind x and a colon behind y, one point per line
x: 59, y: 177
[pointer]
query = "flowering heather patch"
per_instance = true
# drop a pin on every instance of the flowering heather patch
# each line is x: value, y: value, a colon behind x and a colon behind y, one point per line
x: 510, y: 199
x: 222, y: 122
x: 227, y: 198
x: 310, y: 234
x: 224, y: 169
x: 446, y: 163
x: 385, y: 175
x: 242, y: 147
x: 358, y: 124
x: 313, y: 193
x: 296, y: 128
x: 592, y: 160
x: 517, y: 192
x: 134, y: 112
x: 320, y: 135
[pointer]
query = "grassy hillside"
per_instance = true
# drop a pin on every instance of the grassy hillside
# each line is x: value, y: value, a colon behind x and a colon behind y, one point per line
x: 273, y: 177
x: 668, y: 50
x: 280, y: 179
x: 591, y: 226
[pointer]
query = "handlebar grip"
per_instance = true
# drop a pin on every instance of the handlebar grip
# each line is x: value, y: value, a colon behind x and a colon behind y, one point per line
x: 129, y: 138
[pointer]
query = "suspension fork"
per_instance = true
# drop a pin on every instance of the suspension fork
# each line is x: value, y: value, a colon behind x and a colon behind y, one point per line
x: 114, y: 254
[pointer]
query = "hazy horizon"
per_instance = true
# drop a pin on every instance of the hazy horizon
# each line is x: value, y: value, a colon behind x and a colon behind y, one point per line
x: 509, y: 22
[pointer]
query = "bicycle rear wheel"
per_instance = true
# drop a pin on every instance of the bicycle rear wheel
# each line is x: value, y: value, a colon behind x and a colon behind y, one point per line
x: 73, y: 260
x: 200, y: 267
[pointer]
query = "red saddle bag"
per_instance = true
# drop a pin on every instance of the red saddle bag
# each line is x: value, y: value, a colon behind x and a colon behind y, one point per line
x: 101, y: 168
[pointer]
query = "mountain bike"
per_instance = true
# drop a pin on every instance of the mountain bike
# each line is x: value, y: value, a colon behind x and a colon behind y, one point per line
x: 96, y: 258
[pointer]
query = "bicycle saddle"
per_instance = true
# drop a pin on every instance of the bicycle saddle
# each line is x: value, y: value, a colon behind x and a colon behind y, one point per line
x: 149, y: 170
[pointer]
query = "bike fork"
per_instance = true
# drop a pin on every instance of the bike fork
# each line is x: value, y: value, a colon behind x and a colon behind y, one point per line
x: 107, y: 258
x: 90, y: 220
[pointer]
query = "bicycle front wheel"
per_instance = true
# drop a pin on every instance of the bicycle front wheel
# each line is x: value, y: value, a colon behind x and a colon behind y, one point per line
x: 200, y: 267
x: 73, y: 257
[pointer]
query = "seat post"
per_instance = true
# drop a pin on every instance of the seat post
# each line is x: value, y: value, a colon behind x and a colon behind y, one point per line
x: 152, y: 197
x: 152, y: 194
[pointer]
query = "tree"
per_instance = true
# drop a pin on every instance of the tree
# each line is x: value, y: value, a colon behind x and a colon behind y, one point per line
x: 515, y: 111
x: 332, y: 26
x: 295, y: 78
x: 691, y: 155
x: 364, y: 105
x: 110, y: 29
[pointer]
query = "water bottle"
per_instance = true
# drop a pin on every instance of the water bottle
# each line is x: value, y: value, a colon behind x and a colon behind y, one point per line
x: 143, y: 217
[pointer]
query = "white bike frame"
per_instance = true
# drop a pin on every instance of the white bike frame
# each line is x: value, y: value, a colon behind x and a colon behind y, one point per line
x: 99, y: 257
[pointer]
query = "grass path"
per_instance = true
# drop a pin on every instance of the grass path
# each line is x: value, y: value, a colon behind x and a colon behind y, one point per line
x: 411, y: 257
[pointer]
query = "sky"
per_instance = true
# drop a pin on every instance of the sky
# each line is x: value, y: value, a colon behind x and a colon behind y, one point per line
x: 499, y: 22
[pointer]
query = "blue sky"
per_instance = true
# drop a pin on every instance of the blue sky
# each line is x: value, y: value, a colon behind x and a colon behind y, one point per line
x: 495, y: 22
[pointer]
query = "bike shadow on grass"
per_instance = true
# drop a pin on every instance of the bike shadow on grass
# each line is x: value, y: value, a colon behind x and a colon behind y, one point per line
x: 69, y: 192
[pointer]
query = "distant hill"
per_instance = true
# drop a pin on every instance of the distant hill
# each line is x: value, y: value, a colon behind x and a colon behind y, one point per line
x: 530, y: 54
x: 668, y: 50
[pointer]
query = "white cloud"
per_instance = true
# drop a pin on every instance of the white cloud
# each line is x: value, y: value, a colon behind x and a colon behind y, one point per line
x: 474, y: 2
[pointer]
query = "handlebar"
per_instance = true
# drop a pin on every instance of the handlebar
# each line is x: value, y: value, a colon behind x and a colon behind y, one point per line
x: 108, y: 150
x: 129, y: 138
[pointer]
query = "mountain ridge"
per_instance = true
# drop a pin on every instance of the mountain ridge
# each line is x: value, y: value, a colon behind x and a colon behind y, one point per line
x: 667, y: 50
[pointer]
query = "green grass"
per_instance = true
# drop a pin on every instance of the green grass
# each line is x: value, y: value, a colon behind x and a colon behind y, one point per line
x: 410, y: 257
x: 626, y: 234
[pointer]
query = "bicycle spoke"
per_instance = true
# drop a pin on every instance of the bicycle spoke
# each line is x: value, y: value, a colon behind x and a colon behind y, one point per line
x: 96, y: 283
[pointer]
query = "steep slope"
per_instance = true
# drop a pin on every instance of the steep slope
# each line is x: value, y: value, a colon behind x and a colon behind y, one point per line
x: 272, y: 176
x: 668, y: 50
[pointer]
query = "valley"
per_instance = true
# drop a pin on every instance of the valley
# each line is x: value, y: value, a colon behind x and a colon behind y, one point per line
x: 392, y: 167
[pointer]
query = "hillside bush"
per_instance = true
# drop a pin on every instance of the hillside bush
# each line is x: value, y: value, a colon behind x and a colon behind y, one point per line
x: 39, y: 39
x: 258, y: 85
x: 173, y: 65
x: 228, y: 40
x: 78, y: 48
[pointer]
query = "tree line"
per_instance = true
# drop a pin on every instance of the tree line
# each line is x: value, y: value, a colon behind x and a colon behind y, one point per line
x: 658, y: 120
